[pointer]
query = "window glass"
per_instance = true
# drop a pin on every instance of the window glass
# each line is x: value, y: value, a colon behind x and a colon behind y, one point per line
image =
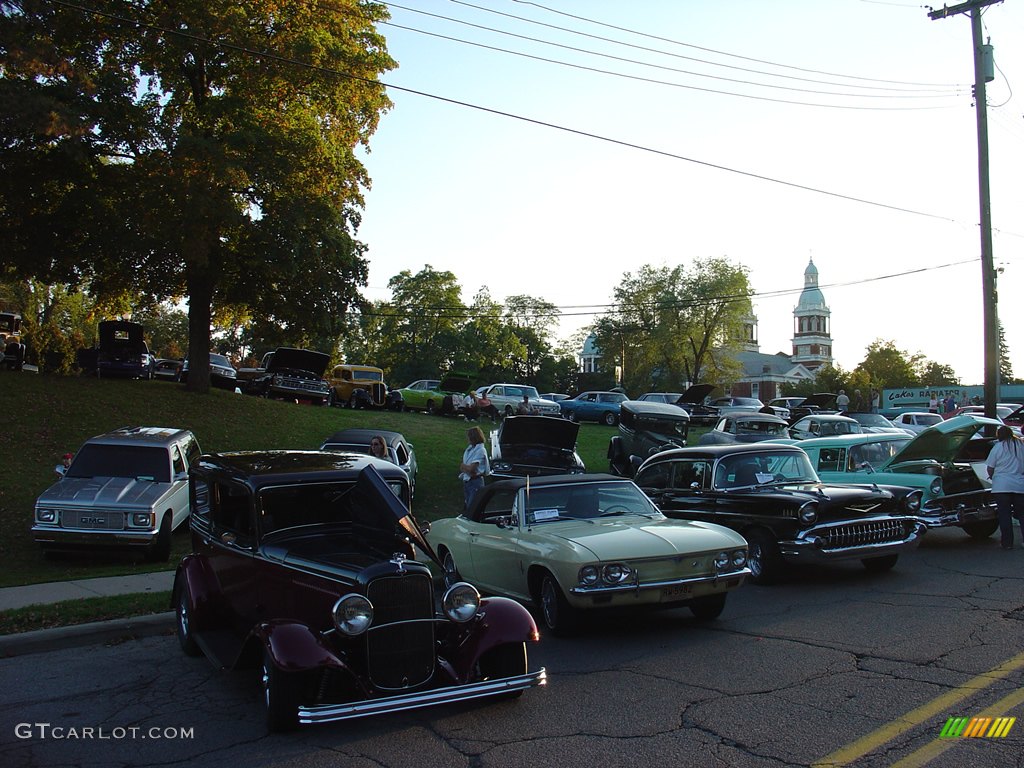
x: 177, y: 461
x: 693, y: 472
x: 830, y: 460
x: 143, y: 462
x: 656, y: 477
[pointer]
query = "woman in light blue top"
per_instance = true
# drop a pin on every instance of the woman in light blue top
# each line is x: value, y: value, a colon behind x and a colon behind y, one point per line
x: 475, y: 465
x: 1006, y: 469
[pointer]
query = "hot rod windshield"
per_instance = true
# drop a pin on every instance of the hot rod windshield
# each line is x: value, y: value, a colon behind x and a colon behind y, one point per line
x: 292, y: 506
x: 580, y: 501
x: 747, y: 469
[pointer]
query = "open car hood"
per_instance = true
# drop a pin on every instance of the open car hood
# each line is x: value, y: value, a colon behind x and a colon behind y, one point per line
x: 941, y: 442
x: 696, y: 393
x: 820, y: 400
x: 454, y: 382
x: 121, y: 333
x: 539, y: 430
x: 381, y: 513
x: 299, y: 359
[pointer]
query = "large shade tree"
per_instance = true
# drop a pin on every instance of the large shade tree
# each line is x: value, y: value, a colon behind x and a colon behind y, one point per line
x: 197, y: 149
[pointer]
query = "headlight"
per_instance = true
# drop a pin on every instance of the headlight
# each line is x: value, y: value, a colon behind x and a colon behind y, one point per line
x: 739, y: 558
x: 809, y: 513
x: 142, y: 519
x: 502, y: 466
x: 589, y: 575
x: 721, y: 560
x: 352, y: 614
x: 275, y: 380
x: 46, y: 515
x: 935, y: 489
x: 461, y: 602
x: 616, y: 573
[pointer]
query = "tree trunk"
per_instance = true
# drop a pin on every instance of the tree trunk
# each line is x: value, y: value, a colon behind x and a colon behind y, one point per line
x: 199, y: 281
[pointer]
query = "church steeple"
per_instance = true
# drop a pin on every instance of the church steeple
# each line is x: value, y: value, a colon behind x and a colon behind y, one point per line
x: 812, y: 339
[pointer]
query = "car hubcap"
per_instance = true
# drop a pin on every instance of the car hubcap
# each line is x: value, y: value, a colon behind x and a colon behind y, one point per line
x: 449, y: 570
x: 265, y: 682
x: 754, y: 560
x: 549, y: 605
x: 183, y: 617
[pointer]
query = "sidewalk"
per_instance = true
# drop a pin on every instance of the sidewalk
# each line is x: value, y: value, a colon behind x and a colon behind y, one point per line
x: 83, y: 634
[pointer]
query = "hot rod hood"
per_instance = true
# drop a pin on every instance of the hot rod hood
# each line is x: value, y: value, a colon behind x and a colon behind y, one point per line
x: 381, y: 514
x: 941, y: 442
x: 300, y: 359
x: 539, y: 430
x: 610, y: 539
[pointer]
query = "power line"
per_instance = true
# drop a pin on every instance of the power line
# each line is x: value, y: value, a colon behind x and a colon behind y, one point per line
x: 671, y: 84
x: 720, y: 53
x: 957, y: 90
x: 270, y: 56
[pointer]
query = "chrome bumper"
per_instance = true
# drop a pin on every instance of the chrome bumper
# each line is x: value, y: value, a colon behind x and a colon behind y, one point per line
x: 82, y: 537
x: 633, y: 586
x: 962, y: 513
x: 328, y: 713
x: 812, y: 549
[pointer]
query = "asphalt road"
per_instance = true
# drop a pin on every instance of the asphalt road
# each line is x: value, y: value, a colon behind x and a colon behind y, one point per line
x: 834, y: 664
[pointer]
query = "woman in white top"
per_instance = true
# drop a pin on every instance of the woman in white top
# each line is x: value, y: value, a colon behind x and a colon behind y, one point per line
x: 1006, y: 469
x: 474, y: 464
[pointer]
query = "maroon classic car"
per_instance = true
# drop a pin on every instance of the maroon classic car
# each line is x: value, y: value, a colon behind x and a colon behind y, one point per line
x: 303, y: 566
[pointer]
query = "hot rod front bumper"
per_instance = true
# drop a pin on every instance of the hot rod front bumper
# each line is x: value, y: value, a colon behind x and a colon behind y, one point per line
x: 327, y: 713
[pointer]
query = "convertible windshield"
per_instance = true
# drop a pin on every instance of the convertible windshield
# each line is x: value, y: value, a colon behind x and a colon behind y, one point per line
x: 746, y: 469
x: 586, y: 501
x: 752, y: 427
x: 149, y: 463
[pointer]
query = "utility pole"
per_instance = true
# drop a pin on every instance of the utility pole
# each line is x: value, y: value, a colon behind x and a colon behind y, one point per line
x: 988, y: 275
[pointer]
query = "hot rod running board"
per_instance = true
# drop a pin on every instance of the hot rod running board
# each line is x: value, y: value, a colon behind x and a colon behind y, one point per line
x: 328, y: 713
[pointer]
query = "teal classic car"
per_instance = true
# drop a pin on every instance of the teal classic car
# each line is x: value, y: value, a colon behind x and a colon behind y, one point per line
x: 578, y: 544
x: 429, y: 394
x: 945, y: 461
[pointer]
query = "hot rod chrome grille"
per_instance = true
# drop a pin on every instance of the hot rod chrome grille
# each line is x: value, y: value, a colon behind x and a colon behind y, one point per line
x: 863, y: 534
x: 378, y: 393
x: 400, y: 644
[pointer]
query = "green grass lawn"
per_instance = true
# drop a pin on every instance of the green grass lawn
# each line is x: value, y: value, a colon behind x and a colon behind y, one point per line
x: 46, y: 416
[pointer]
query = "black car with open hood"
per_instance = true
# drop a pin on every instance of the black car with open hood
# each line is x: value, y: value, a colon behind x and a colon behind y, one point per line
x: 645, y: 428
x: 692, y: 401
x: 293, y: 374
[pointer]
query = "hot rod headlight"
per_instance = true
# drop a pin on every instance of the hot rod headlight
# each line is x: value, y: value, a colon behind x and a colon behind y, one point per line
x: 461, y: 602
x: 353, y: 614
x: 808, y: 513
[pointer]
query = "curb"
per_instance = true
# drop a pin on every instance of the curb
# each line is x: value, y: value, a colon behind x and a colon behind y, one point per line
x: 97, y: 632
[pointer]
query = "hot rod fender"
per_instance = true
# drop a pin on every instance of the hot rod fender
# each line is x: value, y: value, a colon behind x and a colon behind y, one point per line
x: 194, y: 574
x: 506, y: 621
x: 294, y: 647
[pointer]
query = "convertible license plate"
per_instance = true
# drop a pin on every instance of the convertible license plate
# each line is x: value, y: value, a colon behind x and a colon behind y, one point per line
x: 676, y: 591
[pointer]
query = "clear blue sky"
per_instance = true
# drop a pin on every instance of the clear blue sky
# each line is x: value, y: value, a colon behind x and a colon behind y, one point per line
x: 884, y: 115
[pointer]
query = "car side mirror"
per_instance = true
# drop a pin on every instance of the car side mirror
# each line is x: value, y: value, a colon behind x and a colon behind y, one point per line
x: 509, y: 521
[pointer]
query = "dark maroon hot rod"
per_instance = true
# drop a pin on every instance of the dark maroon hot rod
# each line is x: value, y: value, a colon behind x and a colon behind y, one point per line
x: 303, y: 566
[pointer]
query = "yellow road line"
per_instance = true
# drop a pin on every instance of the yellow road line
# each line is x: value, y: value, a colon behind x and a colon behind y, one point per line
x: 935, y: 748
x: 846, y: 755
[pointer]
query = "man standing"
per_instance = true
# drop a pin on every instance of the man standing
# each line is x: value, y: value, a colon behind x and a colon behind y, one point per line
x: 843, y: 401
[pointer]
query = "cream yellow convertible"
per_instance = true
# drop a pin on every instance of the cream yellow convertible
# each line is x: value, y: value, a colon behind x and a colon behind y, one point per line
x: 575, y: 543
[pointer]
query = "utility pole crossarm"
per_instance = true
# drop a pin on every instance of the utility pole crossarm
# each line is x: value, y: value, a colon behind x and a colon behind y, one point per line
x: 952, y: 10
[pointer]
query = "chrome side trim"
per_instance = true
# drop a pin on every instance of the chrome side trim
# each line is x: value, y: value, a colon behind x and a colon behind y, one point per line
x: 328, y: 713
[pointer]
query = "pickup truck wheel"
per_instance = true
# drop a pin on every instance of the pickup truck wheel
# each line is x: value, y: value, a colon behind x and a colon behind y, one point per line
x: 763, y: 557
x: 709, y: 607
x: 508, y: 660
x: 559, y: 617
x: 160, y: 551
x: 982, y: 529
x: 184, y: 627
x: 880, y: 564
x: 279, y: 697
x: 610, y: 419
